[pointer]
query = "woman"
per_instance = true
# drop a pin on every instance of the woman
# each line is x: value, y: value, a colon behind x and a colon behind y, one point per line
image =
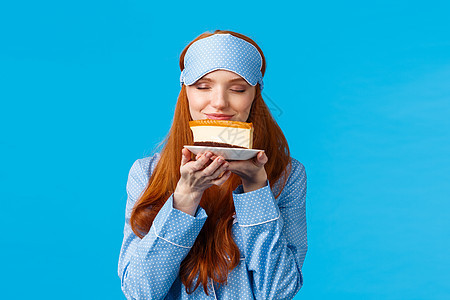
x: 237, y: 228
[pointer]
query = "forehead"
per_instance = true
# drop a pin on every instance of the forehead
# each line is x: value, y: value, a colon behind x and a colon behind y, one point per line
x: 222, y: 75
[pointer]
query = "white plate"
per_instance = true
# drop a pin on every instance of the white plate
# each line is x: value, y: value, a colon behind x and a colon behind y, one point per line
x: 227, y: 153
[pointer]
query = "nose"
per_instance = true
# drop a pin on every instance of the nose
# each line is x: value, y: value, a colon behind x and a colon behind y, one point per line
x: 219, y: 99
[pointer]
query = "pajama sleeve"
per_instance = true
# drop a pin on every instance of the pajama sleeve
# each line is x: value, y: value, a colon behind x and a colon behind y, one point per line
x: 275, y: 241
x: 149, y: 266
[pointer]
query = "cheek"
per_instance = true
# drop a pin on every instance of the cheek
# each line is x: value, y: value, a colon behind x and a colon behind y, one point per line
x: 194, y: 100
x: 244, y: 105
x: 196, y: 104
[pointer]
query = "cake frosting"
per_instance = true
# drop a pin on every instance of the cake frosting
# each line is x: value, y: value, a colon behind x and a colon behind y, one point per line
x: 222, y: 133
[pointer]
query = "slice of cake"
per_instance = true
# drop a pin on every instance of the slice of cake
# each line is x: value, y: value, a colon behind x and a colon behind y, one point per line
x: 222, y: 133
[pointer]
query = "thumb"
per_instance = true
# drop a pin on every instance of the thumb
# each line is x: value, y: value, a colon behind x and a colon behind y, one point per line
x: 185, y: 157
x: 261, y: 158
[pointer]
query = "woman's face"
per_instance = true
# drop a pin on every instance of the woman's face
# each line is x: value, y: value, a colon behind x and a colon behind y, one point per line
x: 220, y: 92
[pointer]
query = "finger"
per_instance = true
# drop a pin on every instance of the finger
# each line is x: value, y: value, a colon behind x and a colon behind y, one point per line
x: 201, y: 153
x: 261, y: 159
x: 201, y: 162
x: 208, y: 171
x: 222, y: 179
x: 185, y: 156
x: 213, y: 156
x: 221, y: 169
x: 198, y: 155
x: 264, y: 159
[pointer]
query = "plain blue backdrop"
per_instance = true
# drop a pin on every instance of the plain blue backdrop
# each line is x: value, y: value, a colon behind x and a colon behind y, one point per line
x: 360, y: 89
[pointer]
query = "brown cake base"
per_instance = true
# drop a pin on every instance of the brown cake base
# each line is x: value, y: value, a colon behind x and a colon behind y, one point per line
x: 214, y: 144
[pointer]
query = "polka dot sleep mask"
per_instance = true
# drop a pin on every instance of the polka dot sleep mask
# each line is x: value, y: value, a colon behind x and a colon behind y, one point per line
x: 222, y: 51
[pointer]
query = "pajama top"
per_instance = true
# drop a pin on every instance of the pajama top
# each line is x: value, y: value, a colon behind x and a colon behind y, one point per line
x: 270, y: 234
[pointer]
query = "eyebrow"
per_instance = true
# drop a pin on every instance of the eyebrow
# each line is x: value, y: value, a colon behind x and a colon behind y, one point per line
x: 232, y: 80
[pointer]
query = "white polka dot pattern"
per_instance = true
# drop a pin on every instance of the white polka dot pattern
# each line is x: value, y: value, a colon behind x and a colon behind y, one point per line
x: 270, y: 233
x: 222, y: 51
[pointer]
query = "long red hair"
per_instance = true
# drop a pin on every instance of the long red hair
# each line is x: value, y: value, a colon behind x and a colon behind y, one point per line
x: 214, y: 252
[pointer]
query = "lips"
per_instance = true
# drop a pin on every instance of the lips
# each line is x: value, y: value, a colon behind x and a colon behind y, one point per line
x: 219, y: 116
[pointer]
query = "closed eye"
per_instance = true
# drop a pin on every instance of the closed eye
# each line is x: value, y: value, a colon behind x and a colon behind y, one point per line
x: 237, y: 91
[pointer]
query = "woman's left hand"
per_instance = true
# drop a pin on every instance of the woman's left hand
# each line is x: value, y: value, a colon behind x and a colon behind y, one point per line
x: 251, y: 171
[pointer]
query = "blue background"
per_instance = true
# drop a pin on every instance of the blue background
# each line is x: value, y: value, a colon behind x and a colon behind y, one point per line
x: 361, y: 91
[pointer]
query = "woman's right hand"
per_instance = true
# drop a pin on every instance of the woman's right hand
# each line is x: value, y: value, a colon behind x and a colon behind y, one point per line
x: 197, y: 176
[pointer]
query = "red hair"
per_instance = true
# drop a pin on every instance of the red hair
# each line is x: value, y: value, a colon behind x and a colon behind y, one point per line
x: 214, y: 252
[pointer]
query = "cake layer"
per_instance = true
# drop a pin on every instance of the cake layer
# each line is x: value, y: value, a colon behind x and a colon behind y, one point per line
x: 214, y: 144
x: 224, y: 123
x: 234, y: 133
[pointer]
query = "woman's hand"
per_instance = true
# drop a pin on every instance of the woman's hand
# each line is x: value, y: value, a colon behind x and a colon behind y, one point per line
x: 196, y: 177
x: 252, y: 171
x: 200, y: 174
